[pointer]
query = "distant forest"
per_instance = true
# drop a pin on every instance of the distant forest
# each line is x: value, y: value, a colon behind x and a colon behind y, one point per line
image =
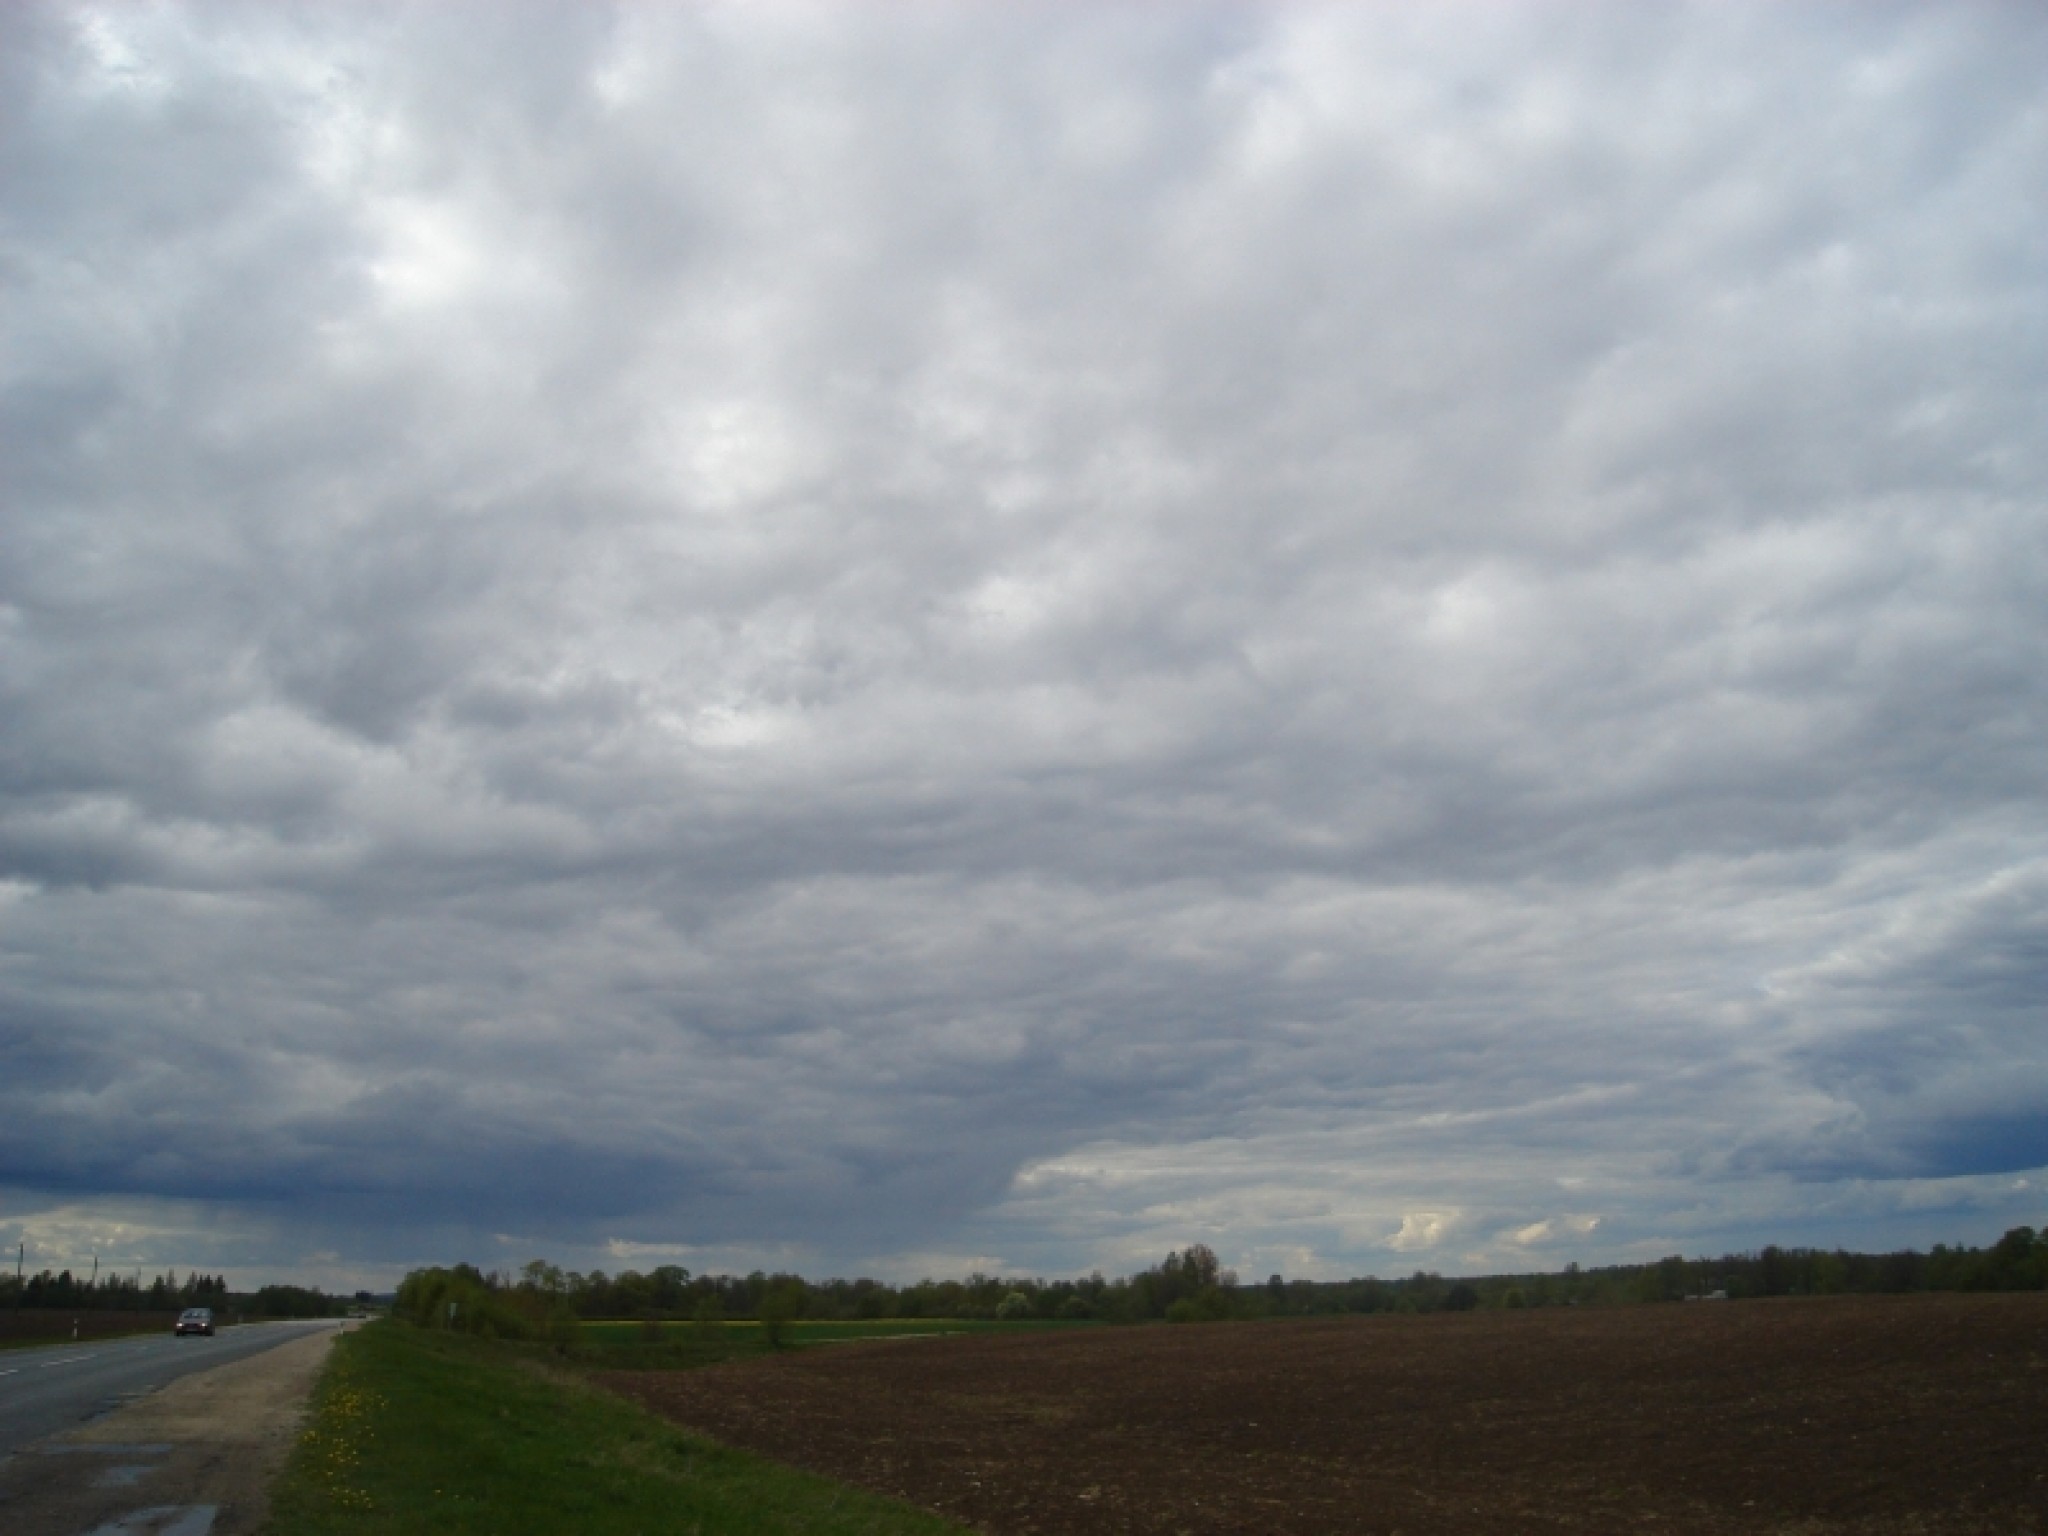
x: 64, y: 1291
x: 1191, y: 1286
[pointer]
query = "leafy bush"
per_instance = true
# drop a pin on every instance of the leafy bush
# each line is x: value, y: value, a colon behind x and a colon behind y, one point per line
x: 1211, y: 1304
x: 459, y: 1300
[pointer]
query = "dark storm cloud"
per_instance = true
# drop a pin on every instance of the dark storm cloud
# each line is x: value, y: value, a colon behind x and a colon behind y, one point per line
x: 1012, y: 636
x: 1933, y: 1055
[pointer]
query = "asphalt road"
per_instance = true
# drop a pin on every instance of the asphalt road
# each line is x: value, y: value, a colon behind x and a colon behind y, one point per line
x: 57, y: 1387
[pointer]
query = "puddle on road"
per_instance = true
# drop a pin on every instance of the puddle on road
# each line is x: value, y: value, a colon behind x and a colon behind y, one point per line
x: 112, y: 1405
x: 126, y: 1471
x: 110, y: 1448
x: 164, y: 1520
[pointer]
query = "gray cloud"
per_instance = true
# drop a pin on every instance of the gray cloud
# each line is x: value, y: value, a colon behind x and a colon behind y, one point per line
x: 1007, y: 635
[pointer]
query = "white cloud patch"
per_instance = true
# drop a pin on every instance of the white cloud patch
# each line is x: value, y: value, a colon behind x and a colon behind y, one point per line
x: 1421, y: 1231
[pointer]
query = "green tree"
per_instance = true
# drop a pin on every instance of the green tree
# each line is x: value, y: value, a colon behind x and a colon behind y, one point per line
x: 781, y: 1304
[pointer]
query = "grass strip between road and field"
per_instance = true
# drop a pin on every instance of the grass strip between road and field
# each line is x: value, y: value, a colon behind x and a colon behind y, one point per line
x: 65, y: 1341
x: 414, y: 1431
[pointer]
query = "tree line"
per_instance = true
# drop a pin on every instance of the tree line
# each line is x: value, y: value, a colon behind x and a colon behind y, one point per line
x: 1190, y: 1285
x: 65, y: 1291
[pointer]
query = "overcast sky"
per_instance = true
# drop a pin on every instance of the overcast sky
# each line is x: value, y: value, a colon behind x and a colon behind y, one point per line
x: 897, y: 638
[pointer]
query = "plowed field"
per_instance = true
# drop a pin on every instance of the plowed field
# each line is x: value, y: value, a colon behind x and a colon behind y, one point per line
x: 1820, y: 1417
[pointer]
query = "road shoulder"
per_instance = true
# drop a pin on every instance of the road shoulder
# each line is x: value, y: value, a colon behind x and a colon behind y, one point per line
x: 195, y: 1458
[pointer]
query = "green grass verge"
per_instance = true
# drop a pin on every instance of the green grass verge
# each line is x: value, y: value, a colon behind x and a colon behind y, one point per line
x: 429, y: 1432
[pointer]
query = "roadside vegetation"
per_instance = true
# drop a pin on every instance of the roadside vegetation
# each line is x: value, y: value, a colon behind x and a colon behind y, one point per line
x: 436, y: 1431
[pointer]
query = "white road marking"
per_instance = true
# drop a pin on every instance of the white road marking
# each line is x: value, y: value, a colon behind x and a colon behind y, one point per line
x: 68, y: 1360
